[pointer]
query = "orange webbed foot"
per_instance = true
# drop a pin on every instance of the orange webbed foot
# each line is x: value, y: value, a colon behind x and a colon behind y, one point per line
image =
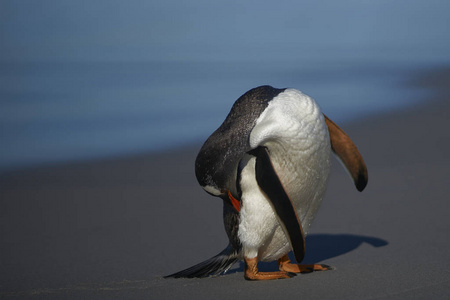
x: 285, y: 264
x: 252, y: 273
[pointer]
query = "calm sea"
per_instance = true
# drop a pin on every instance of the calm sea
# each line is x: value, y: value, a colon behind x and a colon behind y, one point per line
x: 57, y: 112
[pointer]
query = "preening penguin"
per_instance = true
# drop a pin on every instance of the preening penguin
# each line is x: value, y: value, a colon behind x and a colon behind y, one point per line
x: 269, y: 161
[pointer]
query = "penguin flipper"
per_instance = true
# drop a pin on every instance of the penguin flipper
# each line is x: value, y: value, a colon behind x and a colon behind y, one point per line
x: 216, y: 265
x: 269, y: 182
x: 345, y: 149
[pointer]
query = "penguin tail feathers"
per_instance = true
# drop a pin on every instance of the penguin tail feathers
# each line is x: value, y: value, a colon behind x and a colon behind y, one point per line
x: 216, y: 265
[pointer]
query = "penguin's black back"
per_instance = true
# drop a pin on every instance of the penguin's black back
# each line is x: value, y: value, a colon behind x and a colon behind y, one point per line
x: 218, y: 159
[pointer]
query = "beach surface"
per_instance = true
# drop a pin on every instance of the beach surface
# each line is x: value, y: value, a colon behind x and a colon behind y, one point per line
x: 111, y: 229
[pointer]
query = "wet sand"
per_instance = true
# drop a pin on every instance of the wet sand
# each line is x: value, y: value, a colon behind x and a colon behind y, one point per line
x: 111, y: 229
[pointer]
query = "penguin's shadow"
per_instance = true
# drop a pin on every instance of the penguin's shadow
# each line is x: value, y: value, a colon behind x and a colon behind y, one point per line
x: 320, y: 247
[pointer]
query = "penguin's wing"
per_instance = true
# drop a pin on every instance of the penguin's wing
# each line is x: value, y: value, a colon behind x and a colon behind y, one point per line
x: 345, y: 149
x: 269, y: 182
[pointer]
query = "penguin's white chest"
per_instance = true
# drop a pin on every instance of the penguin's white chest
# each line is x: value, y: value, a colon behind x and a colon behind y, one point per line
x: 293, y: 129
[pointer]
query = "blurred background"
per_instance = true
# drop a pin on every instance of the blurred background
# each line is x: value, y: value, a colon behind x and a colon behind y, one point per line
x: 92, y: 79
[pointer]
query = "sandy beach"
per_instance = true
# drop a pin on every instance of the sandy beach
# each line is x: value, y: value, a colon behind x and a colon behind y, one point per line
x: 111, y: 229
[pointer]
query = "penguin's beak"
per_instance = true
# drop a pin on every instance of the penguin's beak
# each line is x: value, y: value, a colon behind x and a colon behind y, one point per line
x: 236, y: 204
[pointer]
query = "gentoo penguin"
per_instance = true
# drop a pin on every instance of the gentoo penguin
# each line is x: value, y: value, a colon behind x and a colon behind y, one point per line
x: 269, y: 161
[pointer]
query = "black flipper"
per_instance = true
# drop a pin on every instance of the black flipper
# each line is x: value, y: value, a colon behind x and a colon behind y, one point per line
x: 269, y: 182
x: 216, y: 265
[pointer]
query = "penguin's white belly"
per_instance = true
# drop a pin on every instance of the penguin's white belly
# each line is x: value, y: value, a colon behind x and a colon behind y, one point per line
x: 293, y: 129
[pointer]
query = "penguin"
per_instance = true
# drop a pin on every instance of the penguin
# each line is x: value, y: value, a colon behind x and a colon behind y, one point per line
x: 269, y: 162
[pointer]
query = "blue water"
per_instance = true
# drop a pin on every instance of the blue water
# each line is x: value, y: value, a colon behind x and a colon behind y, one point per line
x: 93, y: 79
x: 53, y: 112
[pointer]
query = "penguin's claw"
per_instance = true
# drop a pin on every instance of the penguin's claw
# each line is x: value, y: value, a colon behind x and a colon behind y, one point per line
x: 325, y: 267
x: 268, y: 275
x: 284, y: 264
x: 252, y: 273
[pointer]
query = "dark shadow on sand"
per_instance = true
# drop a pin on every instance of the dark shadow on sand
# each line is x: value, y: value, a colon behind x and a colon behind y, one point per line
x: 320, y: 247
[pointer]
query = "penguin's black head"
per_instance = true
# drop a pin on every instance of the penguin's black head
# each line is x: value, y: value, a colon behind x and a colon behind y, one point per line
x: 217, y: 162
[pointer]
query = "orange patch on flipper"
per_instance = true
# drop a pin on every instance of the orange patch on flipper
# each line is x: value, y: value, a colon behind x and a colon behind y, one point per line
x: 236, y: 204
x: 343, y: 146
